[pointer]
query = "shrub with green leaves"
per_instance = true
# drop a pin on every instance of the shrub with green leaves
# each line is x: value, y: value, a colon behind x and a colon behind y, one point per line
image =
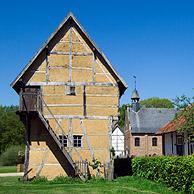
x: 176, y: 172
x: 10, y: 156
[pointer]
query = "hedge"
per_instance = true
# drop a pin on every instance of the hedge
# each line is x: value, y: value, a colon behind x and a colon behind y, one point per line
x: 10, y: 157
x: 176, y: 172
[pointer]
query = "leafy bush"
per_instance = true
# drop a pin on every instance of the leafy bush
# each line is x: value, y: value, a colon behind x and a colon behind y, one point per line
x: 176, y: 172
x: 10, y: 156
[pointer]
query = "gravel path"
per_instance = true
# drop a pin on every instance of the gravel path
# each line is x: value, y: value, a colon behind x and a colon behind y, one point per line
x: 11, y: 174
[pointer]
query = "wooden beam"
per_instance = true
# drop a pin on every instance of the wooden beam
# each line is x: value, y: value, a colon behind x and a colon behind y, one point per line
x: 94, y: 68
x: 67, y: 83
x: 107, y: 76
x: 84, y: 101
x: 73, y: 53
x: 84, y: 105
x: 87, y: 139
x: 63, y: 66
x: 81, y: 40
x: 82, y: 68
x: 47, y: 66
x: 110, y: 136
x: 27, y: 148
x: 70, y: 135
x: 73, y: 42
x: 103, y: 74
x: 92, y: 95
x: 79, y: 117
x: 70, y: 55
x: 102, y: 95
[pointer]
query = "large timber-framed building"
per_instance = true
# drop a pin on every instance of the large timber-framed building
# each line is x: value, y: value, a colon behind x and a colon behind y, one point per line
x: 69, y: 99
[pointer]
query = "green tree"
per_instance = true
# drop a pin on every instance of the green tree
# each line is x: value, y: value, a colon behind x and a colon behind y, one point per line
x: 186, y: 107
x: 156, y: 102
x: 11, y: 129
x: 122, y: 115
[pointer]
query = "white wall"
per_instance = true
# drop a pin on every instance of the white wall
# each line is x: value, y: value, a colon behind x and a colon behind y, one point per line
x: 186, y: 144
x: 118, y: 142
x: 168, y: 145
x: 169, y: 149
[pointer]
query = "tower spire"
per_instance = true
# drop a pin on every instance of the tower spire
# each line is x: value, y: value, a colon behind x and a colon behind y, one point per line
x: 134, y: 81
x: 135, y: 97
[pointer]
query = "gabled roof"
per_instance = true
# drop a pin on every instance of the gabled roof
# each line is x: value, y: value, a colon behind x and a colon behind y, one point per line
x: 117, y: 126
x: 135, y: 95
x: 172, y: 126
x: 22, y: 78
x: 149, y: 120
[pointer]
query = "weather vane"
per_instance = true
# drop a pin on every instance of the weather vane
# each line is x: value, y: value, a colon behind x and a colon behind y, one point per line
x: 134, y: 80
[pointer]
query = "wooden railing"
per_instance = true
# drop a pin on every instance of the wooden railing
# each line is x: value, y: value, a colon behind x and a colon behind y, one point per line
x: 33, y: 101
x: 82, y: 168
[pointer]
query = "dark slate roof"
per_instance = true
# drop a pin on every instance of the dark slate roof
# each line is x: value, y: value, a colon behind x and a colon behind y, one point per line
x: 135, y: 94
x: 149, y: 120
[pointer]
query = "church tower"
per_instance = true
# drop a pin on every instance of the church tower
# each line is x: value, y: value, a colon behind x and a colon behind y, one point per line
x: 135, y: 98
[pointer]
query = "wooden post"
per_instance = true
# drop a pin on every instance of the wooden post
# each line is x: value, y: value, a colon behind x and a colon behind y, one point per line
x: 110, y: 136
x: 62, y: 144
x: 70, y: 55
x: 21, y: 101
x: 47, y: 65
x: 70, y: 135
x: 94, y: 67
x: 27, y: 148
x: 84, y: 101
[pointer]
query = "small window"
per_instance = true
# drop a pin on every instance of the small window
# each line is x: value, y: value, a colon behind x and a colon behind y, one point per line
x: 63, y: 140
x: 179, y: 140
x: 154, y: 141
x: 137, y: 141
x: 70, y: 90
x: 77, y: 141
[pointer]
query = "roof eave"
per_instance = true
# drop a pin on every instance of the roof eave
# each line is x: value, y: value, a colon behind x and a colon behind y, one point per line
x: 38, y: 53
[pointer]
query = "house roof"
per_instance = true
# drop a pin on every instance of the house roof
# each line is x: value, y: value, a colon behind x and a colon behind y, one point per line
x: 149, y: 120
x: 117, y: 126
x: 171, y: 126
x: 22, y: 78
x: 135, y: 94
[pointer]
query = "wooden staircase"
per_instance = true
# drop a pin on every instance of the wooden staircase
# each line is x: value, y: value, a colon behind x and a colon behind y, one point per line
x: 72, y: 168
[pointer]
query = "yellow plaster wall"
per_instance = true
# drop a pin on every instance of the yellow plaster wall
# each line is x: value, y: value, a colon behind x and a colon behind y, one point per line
x: 100, y: 101
x: 58, y: 60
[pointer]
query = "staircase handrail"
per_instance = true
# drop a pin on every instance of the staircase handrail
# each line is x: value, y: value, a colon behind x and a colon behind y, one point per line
x: 60, y: 127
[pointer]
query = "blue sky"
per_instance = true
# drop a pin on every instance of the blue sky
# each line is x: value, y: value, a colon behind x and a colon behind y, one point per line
x: 153, y: 40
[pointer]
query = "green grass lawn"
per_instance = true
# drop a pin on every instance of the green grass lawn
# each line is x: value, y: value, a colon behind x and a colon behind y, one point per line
x: 6, y: 169
x: 11, y: 185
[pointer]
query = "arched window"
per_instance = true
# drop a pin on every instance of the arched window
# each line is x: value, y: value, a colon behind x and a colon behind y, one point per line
x: 137, y: 141
x: 154, y: 141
